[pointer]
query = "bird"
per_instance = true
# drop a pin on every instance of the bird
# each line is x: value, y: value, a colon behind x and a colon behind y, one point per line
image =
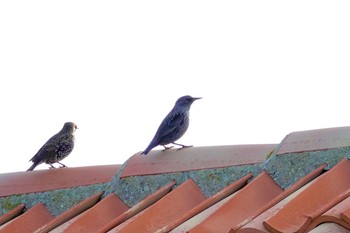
x: 174, y: 125
x: 58, y: 147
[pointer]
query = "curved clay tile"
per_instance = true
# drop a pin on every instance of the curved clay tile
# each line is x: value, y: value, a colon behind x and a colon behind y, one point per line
x: 325, y: 192
x: 207, y: 203
x: 31, y: 220
x: 100, y: 214
x: 256, y: 225
x: 12, y: 214
x: 145, y: 203
x: 333, y: 215
x: 168, y: 209
x: 313, y: 140
x: 71, y: 213
x: 52, y: 179
x: 329, y: 228
x: 242, y: 207
x: 195, y: 158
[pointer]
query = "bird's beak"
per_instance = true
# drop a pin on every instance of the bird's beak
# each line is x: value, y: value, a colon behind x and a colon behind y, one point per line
x: 197, y: 98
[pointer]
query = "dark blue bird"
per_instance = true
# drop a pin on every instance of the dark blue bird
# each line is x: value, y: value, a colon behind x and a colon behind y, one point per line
x: 174, y: 125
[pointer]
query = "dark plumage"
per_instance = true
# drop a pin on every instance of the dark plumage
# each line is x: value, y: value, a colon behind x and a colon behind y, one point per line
x: 56, y: 148
x: 174, y: 125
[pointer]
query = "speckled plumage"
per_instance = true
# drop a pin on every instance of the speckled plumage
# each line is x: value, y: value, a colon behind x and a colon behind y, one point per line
x: 56, y: 148
x: 174, y: 125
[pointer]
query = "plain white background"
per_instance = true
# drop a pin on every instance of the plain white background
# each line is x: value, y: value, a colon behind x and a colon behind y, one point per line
x: 116, y: 68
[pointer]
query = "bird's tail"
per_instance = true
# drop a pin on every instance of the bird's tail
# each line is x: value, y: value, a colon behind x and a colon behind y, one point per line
x: 32, y: 167
x: 148, y: 149
x: 153, y: 143
x: 145, y: 152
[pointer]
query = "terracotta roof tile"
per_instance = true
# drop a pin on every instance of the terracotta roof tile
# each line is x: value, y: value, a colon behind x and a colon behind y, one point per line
x: 256, y: 225
x: 195, y: 220
x: 157, y: 162
x: 166, y: 210
x: 345, y: 215
x: 31, y: 220
x: 329, y: 228
x: 71, y: 213
x: 12, y: 214
x: 99, y: 215
x: 241, y: 207
x: 45, y: 180
x: 321, y: 195
x: 207, y: 203
x: 333, y: 215
x: 148, y: 201
x: 313, y: 140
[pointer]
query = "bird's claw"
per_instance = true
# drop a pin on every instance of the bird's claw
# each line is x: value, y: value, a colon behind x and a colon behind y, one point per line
x: 63, y: 166
x: 167, y: 148
x: 184, y: 147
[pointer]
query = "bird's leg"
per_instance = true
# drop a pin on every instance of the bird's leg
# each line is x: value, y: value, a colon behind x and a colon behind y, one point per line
x: 62, y: 165
x: 182, y: 146
x: 167, y: 148
x: 52, y: 167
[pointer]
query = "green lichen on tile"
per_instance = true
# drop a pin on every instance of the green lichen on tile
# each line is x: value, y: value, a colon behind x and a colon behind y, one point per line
x: 269, y: 154
x: 213, y: 180
x: 7, y: 204
x: 135, y: 188
x: 56, y: 201
x: 284, y: 169
x: 288, y: 168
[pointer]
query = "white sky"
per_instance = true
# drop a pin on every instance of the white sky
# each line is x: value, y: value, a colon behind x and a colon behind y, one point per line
x: 116, y: 68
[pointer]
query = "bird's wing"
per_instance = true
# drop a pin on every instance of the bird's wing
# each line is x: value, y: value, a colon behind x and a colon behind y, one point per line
x: 44, y: 150
x: 43, y: 153
x: 170, y: 123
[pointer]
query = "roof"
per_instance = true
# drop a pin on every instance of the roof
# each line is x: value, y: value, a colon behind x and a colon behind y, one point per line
x: 301, y: 184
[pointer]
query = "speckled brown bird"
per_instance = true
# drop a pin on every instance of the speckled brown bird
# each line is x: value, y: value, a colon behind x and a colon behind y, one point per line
x: 56, y: 148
